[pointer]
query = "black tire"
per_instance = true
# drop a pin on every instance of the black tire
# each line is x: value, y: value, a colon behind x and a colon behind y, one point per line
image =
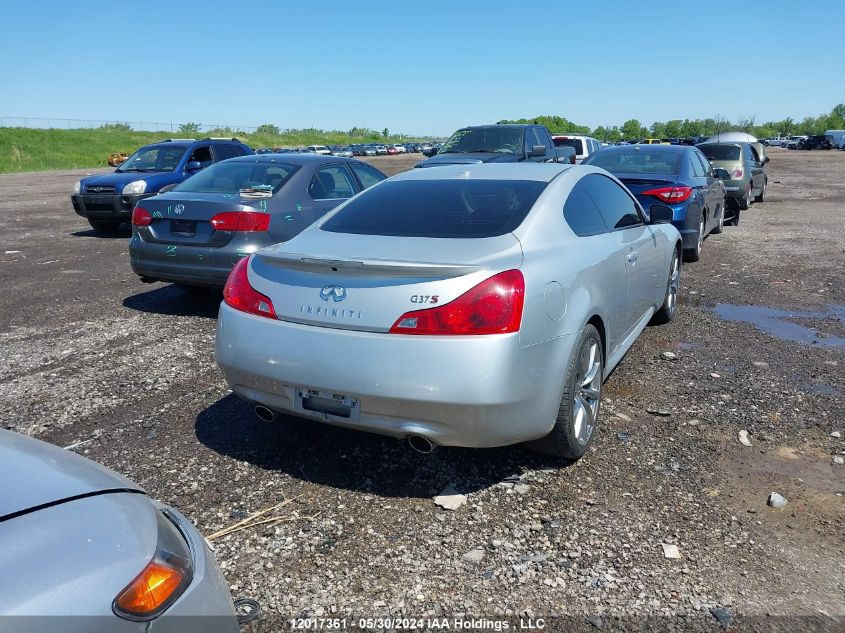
x: 721, y: 225
x: 104, y: 226
x: 694, y: 254
x: 670, y: 299
x: 745, y: 202
x: 734, y: 221
x: 567, y: 438
x: 760, y: 197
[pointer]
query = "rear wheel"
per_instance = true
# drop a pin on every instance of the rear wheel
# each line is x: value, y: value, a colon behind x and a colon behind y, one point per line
x: 759, y: 198
x: 734, y: 221
x: 104, y: 226
x: 694, y: 254
x: 745, y: 201
x: 721, y: 224
x: 670, y: 300
x: 578, y: 414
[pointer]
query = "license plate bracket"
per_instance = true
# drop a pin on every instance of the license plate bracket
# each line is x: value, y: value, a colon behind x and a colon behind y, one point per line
x: 332, y: 406
x: 183, y: 227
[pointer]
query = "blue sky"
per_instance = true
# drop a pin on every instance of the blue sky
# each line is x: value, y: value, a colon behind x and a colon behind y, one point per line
x: 419, y: 67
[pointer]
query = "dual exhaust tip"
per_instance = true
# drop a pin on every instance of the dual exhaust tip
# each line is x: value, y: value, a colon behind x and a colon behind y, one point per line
x: 417, y: 442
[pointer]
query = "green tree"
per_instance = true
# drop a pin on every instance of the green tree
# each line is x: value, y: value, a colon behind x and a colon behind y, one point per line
x: 189, y: 128
x: 632, y: 129
x: 267, y: 128
x: 385, y: 133
x: 673, y: 128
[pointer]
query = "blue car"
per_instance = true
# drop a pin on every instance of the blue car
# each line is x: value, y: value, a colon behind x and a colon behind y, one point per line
x: 107, y: 200
x: 677, y: 176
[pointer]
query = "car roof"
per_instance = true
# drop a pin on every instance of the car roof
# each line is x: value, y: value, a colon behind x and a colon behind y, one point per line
x: 669, y: 149
x: 291, y: 157
x: 543, y: 172
x: 499, y: 126
x: 185, y: 142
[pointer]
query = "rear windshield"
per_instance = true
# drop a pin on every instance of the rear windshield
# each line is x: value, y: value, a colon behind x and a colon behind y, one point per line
x: 505, y: 140
x: 438, y: 208
x: 570, y: 142
x: 232, y: 176
x: 720, y: 152
x: 637, y: 161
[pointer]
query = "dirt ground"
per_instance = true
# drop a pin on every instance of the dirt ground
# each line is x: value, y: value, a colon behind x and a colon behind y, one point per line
x: 90, y: 354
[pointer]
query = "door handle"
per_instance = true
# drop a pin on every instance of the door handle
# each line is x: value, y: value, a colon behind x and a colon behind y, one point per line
x: 632, y: 257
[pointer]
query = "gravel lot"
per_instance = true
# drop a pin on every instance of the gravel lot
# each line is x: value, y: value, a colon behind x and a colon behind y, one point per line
x: 91, y: 354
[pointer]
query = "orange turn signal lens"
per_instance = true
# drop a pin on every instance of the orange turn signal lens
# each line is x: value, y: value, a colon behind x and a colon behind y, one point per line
x: 150, y: 591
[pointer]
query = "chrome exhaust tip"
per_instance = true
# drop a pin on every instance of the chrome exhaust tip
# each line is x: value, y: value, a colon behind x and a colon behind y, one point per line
x: 267, y: 415
x: 420, y: 444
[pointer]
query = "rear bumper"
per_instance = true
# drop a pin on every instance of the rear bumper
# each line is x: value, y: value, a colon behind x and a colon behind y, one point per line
x: 115, y: 207
x: 193, y: 265
x: 477, y: 391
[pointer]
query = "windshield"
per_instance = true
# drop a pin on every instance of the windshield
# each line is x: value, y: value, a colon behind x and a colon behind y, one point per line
x: 570, y: 142
x: 720, y: 152
x: 636, y: 161
x: 154, y: 159
x: 231, y: 176
x: 438, y: 208
x: 507, y: 140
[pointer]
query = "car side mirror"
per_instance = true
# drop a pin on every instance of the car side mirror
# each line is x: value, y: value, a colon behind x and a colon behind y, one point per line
x: 660, y: 214
x: 193, y: 165
x: 538, y: 150
x: 721, y: 174
x: 765, y: 160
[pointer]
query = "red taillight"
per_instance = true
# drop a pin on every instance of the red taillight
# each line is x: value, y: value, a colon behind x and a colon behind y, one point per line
x: 239, y: 294
x: 669, y: 195
x: 737, y: 173
x: 241, y: 221
x: 492, y: 307
x: 141, y: 217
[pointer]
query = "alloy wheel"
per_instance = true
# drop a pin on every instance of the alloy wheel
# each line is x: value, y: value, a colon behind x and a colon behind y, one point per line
x: 585, y: 403
x: 673, y: 285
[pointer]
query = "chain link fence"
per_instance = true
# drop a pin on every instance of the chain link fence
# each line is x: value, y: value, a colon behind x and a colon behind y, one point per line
x: 141, y: 126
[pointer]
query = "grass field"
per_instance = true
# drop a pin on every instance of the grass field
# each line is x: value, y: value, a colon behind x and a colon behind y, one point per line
x: 27, y: 149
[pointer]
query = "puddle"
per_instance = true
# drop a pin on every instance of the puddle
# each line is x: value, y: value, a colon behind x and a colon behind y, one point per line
x: 823, y: 390
x: 775, y: 322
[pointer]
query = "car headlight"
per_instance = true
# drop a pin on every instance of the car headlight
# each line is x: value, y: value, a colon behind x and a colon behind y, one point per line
x: 136, y: 186
x: 77, y: 187
x: 162, y: 581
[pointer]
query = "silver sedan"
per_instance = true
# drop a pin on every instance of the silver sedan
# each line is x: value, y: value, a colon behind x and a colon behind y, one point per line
x: 468, y: 305
x: 83, y: 549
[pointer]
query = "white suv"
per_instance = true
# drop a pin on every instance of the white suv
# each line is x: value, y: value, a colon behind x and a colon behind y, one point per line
x: 584, y: 145
x: 318, y: 149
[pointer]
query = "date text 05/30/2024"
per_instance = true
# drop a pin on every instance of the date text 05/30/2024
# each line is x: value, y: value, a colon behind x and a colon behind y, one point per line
x: 416, y: 624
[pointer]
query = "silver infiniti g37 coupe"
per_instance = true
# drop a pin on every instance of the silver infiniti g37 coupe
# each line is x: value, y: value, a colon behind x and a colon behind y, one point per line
x: 467, y: 305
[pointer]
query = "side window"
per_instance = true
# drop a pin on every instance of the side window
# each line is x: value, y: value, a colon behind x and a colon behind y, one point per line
x: 696, y: 168
x: 330, y: 183
x: 705, y: 164
x: 581, y: 213
x: 752, y: 154
x: 544, y: 138
x: 616, y: 206
x: 202, y: 155
x: 222, y: 152
x: 366, y: 174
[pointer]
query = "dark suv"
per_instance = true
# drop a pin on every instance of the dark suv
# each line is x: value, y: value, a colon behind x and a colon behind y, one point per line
x: 501, y: 143
x: 817, y: 141
x: 107, y: 200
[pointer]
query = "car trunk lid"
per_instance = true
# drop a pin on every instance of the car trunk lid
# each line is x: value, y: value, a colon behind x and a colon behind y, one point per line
x: 366, y: 282
x: 186, y: 221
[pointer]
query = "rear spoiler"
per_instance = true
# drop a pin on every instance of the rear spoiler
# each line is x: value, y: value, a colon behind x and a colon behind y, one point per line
x: 364, y: 266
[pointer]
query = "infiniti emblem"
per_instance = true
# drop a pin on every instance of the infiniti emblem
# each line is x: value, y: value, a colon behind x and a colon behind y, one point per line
x: 335, y: 293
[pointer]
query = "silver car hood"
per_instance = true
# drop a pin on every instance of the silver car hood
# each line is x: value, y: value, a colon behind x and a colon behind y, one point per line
x: 35, y: 474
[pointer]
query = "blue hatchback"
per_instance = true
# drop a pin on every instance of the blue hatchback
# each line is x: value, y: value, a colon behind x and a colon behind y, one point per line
x: 107, y: 200
x: 677, y: 176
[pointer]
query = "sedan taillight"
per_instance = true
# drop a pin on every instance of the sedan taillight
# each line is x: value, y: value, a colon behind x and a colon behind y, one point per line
x: 141, y: 217
x: 241, y: 221
x: 737, y: 172
x: 670, y: 195
x: 239, y: 294
x: 492, y: 307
